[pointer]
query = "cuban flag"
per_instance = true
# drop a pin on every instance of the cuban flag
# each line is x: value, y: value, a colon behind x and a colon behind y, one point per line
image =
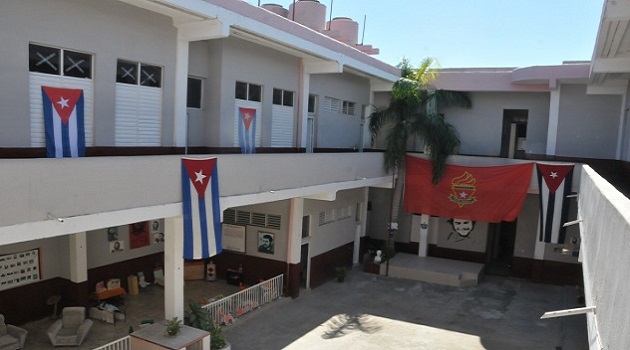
x: 63, y: 122
x: 554, y: 182
x: 247, y: 129
x: 202, y: 214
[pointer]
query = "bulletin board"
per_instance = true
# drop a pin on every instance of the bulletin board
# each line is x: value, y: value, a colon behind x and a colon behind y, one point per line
x: 18, y: 269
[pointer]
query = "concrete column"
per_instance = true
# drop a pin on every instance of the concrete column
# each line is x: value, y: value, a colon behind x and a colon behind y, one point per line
x: 180, y: 125
x: 552, y: 127
x: 304, y: 90
x: 78, y: 257
x: 294, y: 245
x: 173, y: 268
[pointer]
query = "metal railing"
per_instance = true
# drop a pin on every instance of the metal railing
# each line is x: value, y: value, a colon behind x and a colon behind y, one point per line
x: 225, y: 310
x: 119, y: 344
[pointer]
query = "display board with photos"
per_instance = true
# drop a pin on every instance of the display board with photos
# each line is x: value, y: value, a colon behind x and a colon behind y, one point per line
x: 18, y: 269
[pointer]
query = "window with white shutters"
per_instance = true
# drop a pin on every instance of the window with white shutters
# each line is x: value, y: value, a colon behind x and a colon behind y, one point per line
x: 138, y: 104
x: 62, y: 68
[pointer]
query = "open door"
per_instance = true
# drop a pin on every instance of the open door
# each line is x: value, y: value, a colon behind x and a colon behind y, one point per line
x: 500, y: 249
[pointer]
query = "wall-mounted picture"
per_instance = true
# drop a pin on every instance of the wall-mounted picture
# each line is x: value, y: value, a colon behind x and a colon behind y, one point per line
x: 116, y: 246
x: 139, y: 235
x: 156, y: 232
x: 112, y: 234
x: 265, y: 242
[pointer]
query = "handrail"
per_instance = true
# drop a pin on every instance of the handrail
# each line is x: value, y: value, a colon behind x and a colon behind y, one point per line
x: 118, y: 344
x: 225, y: 310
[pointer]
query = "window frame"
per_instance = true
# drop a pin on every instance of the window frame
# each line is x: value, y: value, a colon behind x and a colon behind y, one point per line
x: 64, y: 60
x: 198, y: 96
x: 247, y: 91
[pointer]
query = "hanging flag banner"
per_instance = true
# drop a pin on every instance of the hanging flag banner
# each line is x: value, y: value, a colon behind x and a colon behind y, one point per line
x: 63, y: 122
x: 554, y: 182
x: 247, y: 129
x: 202, y: 214
x: 486, y: 194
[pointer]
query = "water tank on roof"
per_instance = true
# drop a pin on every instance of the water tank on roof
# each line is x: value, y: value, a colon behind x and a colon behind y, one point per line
x: 277, y: 9
x: 310, y: 13
x: 347, y: 29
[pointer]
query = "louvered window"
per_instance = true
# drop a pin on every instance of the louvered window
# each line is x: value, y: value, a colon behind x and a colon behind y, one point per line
x: 326, y: 217
x: 138, y: 104
x: 229, y: 216
x: 331, y: 104
x: 243, y: 217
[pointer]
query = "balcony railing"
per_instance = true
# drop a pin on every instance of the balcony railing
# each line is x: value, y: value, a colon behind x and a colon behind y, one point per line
x: 225, y: 310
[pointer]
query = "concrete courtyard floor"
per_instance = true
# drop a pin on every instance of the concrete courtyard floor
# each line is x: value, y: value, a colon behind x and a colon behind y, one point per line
x: 368, y: 311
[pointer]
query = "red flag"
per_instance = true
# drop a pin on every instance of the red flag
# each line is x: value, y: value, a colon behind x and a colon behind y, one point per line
x: 487, y: 194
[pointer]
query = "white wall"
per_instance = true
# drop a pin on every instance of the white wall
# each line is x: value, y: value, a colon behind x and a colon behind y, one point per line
x: 588, y: 124
x: 480, y: 127
x: 334, y: 129
x: 605, y: 232
x: 132, y: 34
x: 341, y: 231
x: 54, y: 255
x: 232, y: 60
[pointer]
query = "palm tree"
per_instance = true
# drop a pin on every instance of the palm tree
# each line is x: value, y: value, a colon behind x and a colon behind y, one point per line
x: 414, y: 110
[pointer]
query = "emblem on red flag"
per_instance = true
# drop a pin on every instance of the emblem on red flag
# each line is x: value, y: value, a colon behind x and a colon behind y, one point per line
x: 463, y: 188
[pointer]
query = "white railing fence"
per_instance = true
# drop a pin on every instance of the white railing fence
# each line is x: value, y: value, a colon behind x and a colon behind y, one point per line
x: 224, y: 311
x: 119, y: 344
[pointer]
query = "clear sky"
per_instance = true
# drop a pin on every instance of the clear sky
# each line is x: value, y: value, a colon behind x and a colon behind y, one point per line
x: 474, y: 33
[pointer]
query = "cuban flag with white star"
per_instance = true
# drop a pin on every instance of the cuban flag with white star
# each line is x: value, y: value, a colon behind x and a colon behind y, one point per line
x: 247, y: 129
x: 554, y: 182
x: 63, y: 122
x: 202, y: 214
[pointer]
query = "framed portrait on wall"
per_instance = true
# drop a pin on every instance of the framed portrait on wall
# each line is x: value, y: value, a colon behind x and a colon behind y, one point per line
x: 139, y: 235
x: 265, y: 242
x: 112, y: 234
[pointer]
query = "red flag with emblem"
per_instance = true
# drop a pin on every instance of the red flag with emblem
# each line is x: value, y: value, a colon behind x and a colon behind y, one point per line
x: 487, y: 194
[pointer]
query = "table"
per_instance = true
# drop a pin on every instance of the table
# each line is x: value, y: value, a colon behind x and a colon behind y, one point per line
x: 108, y: 293
x: 153, y: 338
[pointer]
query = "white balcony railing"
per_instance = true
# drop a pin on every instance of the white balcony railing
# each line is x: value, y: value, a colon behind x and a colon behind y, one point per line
x: 224, y: 311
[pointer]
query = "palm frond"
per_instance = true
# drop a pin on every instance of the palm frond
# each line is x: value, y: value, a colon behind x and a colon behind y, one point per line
x: 441, y: 139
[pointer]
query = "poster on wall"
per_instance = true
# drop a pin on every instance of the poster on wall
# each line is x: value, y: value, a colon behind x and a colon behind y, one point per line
x: 265, y: 242
x: 139, y: 235
x: 116, y: 246
x: 156, y: 232
x: 18, y: 269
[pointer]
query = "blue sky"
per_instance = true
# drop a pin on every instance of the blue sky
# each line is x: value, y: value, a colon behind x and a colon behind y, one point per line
x: 474, y: 33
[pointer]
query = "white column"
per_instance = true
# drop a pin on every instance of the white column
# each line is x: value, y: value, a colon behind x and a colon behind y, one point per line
x: 180, y: 122
x: 78, y: 257
x: 294, y: 239
x: 173, y: 268
x: 552, y: 127
x: 303, y: 112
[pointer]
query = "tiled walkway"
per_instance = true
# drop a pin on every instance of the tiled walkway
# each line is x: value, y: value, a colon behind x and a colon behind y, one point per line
x: 148, y: 305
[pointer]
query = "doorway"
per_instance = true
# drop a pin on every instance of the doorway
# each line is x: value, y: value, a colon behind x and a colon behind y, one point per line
x: 514, y: 133
x: 500, y: 248
x: 304, y: 266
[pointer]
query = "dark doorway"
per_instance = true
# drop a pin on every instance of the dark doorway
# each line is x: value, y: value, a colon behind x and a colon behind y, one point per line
x: 500, y: 249
x: 514, y: 133
x: 304, y: 264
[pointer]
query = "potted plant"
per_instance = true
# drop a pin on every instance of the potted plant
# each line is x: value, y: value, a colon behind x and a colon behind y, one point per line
x: 198, y: 317
x: 340, y: 273
x: 173, y: 326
